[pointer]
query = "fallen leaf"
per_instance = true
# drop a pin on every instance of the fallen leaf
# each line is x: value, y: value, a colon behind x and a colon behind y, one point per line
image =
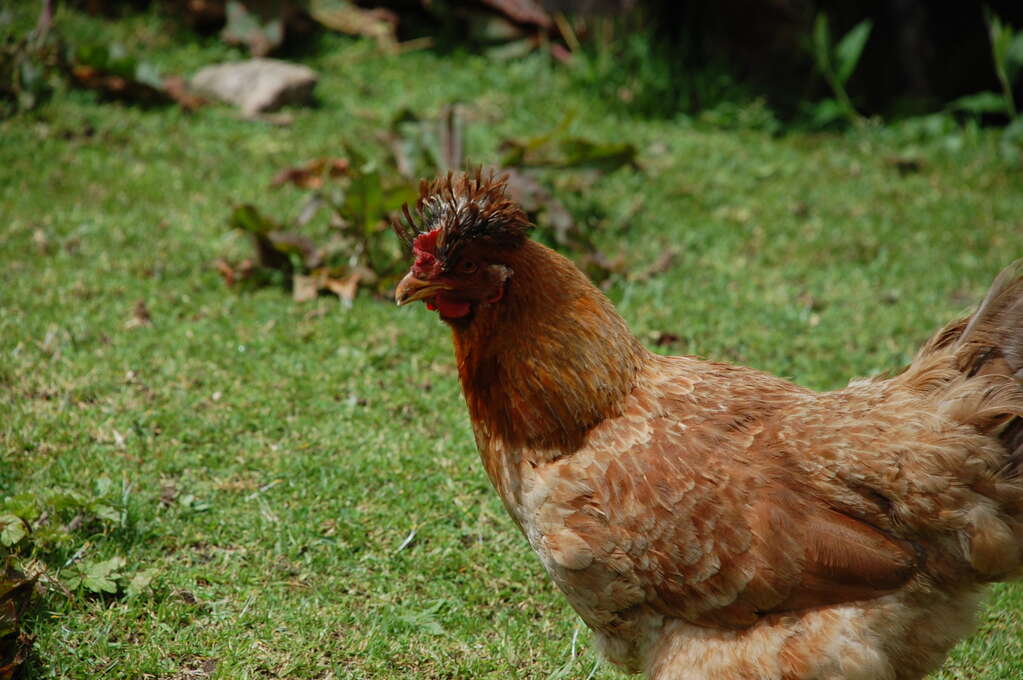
x: 177, y: 89
x: 232, y: 273
x: 304, y: 288
x: 111, y: 71
x: 561, y: 53
x: 226, y: 271
x: 13, y: 652
x: 311, y: 174
x: 345, y: 288
x: 522, y: 11
x: 346, y: 17
x: 116, y: 86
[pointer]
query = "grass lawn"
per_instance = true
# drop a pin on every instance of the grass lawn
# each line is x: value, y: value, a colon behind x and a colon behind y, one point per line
x: 265, y: 462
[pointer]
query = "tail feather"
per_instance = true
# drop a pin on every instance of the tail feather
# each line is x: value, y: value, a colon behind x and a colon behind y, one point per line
x: 992, y: 343
x: 994, y: 333
x: 972, y: 370
x: 987, y: 345
x: 1012, y: 437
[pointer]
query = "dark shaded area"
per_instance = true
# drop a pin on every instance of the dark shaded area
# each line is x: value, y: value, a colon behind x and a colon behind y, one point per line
x: 922, y: 54
x: 657, y: 57
x: 16, y: 595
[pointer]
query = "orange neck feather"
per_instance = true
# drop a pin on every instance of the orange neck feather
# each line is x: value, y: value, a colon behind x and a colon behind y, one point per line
x: 548, y: 361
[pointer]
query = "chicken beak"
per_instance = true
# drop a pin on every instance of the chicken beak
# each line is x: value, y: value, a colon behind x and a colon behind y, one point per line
x: 411, y: 289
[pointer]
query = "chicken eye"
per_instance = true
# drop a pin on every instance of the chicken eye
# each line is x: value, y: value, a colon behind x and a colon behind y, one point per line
x: 467, y: 267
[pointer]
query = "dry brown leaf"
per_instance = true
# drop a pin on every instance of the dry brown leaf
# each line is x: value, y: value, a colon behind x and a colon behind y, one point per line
x: 176, y: 88
x: 115, y: 86
x: 560, y: 52
x: 232, y: 273
x: 522, y: 11
x: 226, y: 271
x: 345, y: 288
x: 304, y: 288
x: 21, y: 646
x: 346, y: 17
x: 15, y: 597
x: 310, y: 175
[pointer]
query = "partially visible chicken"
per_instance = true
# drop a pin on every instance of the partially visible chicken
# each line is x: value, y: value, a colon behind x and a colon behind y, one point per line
x: 709, y: 521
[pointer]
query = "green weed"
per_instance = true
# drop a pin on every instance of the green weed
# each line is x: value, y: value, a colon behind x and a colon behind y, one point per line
x: 837, y: 62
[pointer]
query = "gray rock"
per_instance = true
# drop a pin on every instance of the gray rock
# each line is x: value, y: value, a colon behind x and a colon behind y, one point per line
x: 256, y: 85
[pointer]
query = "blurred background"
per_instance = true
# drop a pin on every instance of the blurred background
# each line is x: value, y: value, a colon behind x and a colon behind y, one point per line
x: 225, y: 454
x: 660, y: 58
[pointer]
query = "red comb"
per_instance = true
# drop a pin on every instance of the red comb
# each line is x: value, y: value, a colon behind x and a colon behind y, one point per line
x: 424, y: 247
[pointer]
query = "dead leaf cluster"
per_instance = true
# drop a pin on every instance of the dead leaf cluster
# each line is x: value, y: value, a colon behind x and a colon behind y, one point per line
x: 501, y: 28
x: 115, y: 74
x: 16, y: 591
x: 31, y: 68
x: 352, y: 200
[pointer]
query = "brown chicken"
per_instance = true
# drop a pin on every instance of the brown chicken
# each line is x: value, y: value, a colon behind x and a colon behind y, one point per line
x: 714, y: 522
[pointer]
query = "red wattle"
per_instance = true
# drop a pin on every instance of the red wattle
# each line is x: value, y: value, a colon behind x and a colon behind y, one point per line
x: 450, y: 308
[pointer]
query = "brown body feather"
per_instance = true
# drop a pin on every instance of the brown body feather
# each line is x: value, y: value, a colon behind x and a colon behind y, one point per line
x: 712, y: 521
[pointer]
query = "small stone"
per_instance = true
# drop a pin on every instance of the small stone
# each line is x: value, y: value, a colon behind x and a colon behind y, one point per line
x: 257, y: 85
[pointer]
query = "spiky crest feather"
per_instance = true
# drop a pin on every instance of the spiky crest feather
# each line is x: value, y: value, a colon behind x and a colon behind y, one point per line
x: 464, y: 207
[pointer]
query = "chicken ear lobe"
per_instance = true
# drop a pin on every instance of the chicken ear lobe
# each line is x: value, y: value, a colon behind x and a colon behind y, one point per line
x: 498, y: 275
